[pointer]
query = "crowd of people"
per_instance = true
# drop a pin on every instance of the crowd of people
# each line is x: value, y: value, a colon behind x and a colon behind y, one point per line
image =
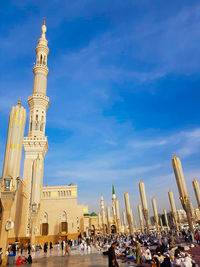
x: 159, y: 249
x: 156, y: 250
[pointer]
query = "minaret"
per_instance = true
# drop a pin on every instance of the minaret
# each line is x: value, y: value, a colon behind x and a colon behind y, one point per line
x: 197, y: 191
x: 36, y: 145
x: 144, y: 204
x: 185, y: 200
x: 155, y: 213
x: 128, y: 213
x: 103, y: 215
x: 140, y: 218
x: 113, y: 204
x: 13, y: 151
x: 173, y: 208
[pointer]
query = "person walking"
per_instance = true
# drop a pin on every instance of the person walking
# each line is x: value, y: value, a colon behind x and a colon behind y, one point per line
x: 67, y: 249
x: 21, y: 248
x: 62, y: 246
x: 29, y: 248
x: 138, y: 253
x: 112, y: 261
x: 45, y: 248
x: 1, y: 256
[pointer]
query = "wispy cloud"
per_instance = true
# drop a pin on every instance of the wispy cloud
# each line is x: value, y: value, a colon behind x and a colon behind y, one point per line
x: 84, y: 172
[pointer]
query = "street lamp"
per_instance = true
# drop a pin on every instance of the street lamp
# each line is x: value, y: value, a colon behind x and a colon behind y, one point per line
x: 34, y: 207
x: 17, y: 183
x: 8, y: 183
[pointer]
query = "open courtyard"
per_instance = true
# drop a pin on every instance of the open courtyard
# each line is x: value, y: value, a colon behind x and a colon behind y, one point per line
x: 94, y: 260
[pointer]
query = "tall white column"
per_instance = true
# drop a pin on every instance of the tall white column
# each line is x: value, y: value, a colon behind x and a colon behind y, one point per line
x: 103, y: 215
x: 118, y: 216
x: 99, y: 221
x: 140, y: 218
x: 197, y: 191
x: 109, y: 220
x: 144, y: 204
x: 124, y: 222
x: 136, y: 228
x: 36, y: 142
x: 185, y: 200
x: 166, y: 219
x: 13, y: 151
x: 155, y: 213
x: 173, y: 209
x: 128, y: 213
x: 132, y: 221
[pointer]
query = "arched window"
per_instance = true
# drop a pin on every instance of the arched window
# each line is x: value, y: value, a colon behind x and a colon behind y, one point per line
x: 64, y: 226
x: 42, y: 124
x: 41, y: 59
x: 31, y: 124
x: 45, y: 225
x: 63, y: 216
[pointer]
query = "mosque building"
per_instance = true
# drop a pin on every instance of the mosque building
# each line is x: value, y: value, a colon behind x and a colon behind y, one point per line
x: 37, y: 213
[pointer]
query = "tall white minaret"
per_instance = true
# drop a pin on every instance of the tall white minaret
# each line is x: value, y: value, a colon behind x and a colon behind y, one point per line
x: 114, y: 204
x: 36, y: 145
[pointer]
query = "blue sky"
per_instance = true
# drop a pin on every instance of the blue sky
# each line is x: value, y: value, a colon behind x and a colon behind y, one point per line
x: 124, y: 92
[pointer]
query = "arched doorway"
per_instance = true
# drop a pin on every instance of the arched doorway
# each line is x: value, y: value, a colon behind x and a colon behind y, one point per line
x: 113, y: 229
x: 64, y: 226
x: 93, y: 230
x: 45, y: 225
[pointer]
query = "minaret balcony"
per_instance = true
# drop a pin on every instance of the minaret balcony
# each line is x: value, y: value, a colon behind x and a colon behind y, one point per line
x: 38, y: 100
x: 35, y: 145
x: 42, y: 48
x: 40, y: 68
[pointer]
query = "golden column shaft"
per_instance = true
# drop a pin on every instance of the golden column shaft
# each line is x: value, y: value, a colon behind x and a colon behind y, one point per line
x: 132, y: 221
x: 140, y: 218
x: 128, y: 213
x: 166, y: 219
x: 136, y: 228
x: 144, y: 204
x: 109, y: 220
x: 155, y: 213
x: 124, y: 222
x: 118, y: 216
x: 197, y: 191
x: 185, y: 201
x: 13, y: 151
x: 103, y: 215
x: 99, y: 221
x: 173, y: 208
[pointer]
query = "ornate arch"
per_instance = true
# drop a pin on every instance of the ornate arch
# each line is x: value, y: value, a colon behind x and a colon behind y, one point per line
x: 63, y: 216
x: 44, y: 218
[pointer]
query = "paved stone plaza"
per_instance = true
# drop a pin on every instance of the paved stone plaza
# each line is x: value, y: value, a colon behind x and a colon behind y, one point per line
x: 94, y: 260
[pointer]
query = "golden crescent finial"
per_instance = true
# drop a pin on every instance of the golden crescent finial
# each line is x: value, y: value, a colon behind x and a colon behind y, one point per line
x: 44, y: 21
x: 19, y: 102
